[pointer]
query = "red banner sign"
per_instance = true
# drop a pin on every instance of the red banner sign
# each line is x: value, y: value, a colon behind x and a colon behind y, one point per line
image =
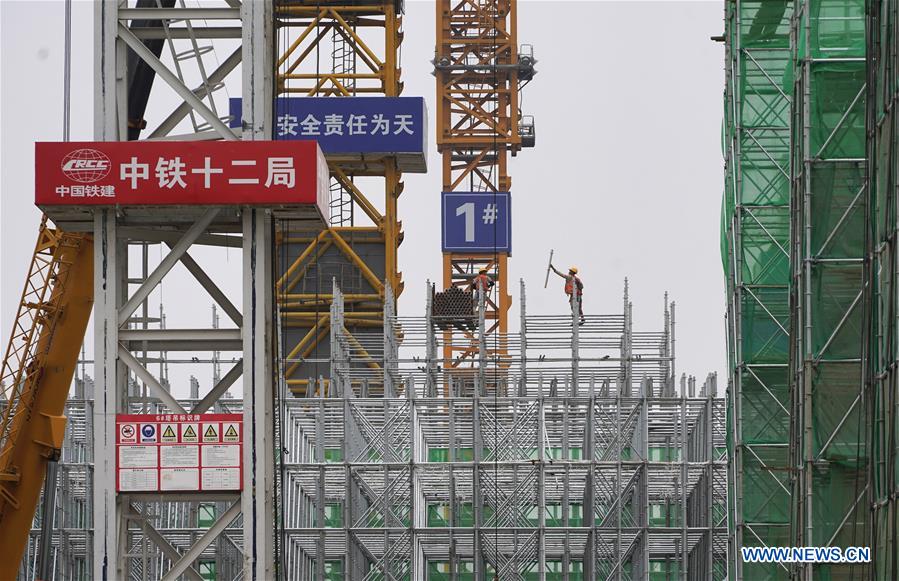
x: 181, y: 173
x: 179, y: 452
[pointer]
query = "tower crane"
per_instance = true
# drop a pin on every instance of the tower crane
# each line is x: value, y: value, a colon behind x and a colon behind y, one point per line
x: 480, y: 69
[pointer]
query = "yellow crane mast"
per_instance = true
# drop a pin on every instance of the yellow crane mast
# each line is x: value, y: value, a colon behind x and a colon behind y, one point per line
x: 479, y: 70
x: 36, y: 374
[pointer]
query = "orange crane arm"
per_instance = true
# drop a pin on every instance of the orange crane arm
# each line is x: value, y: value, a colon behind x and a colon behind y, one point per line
x: 35, y: 378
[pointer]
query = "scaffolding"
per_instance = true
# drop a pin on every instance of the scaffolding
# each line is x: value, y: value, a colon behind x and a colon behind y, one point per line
x: 883, y: 292
x: 183, y: 522
x: 569, y: 453
x: 401, y: 467
x: 828, y: 451
x: 755, y: 251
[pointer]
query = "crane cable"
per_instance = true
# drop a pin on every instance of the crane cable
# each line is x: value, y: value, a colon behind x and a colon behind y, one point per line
x: 44, y: 564
x: 497, y: 178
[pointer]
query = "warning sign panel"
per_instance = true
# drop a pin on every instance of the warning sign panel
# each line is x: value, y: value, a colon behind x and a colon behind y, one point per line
x: 168, y: 433
x: 189, y: 433
x: 180, y: 479
x: 148, y: 433
x: 221, y: 478
x: 128, y: 433
x: 179, y: 456
x: 210, y: 433
x: 174, y: 452
x: 138, y: 480
x: 231, y: 432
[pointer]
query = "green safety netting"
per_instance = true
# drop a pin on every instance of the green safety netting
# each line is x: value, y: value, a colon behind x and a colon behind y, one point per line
x: 810, y: 133
x: 883, y: 353
x: 830, y: 166
x: 755, y: 243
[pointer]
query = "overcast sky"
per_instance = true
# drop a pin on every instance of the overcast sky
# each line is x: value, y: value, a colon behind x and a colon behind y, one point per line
x: 625, y: 181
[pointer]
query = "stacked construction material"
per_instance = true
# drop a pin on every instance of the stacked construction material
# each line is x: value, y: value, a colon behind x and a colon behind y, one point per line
x: 455, y: 307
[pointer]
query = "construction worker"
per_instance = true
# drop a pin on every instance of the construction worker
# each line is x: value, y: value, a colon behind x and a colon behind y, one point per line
x: 573, y: 287
x: 482, y: 282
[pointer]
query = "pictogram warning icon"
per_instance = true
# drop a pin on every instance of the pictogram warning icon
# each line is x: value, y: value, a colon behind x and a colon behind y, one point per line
x: 210, y: 434
x: 230, y: 434
x: 168, y: 434
x: 188, y: 433
x: 128, y: 432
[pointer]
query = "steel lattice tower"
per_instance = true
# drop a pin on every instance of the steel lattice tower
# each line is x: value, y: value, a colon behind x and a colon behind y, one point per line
x: 479, y: 69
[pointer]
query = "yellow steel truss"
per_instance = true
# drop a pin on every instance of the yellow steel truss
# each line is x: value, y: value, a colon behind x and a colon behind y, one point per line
x: 35, y: 377
x: 477, y: 129
x: 373, y: 31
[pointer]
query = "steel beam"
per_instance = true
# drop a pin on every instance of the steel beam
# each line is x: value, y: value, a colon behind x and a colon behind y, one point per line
x: 166, y: 264
x: 193, y: 553
x: 144, y: 375
x: 179, y: 13
x: 174, y: 82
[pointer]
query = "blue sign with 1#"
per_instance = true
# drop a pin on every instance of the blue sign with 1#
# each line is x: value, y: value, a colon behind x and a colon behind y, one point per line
x: 478, y: 222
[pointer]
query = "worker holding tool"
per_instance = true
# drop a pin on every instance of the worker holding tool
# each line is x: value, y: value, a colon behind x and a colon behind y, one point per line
x: 573, y: 285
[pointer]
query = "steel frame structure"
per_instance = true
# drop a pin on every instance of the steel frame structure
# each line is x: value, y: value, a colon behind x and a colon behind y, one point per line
x: 178, y: 524
x: 828, y: 453
x: 493, y: 477
x: 395, y: 483
x: 362, y: 41
x: 756, y: 244
x: 393, y: 465
x: 882, y: 292
x: 128, y: 539
x: 478, y: 70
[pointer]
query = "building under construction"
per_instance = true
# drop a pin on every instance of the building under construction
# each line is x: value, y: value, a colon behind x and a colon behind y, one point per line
x: 809, y: 242
x: 308, y: 430
x: 401, y: 466
x: 337, y: 439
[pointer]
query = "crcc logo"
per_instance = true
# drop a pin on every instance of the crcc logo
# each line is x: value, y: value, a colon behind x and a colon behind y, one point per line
x: 86, y: 166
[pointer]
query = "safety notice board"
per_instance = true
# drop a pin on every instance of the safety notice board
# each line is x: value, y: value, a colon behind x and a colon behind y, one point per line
x: 179, y: 452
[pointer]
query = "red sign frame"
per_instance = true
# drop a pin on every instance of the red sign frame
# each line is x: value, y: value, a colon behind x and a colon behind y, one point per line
x: 154, y: 173
x: 146, y: 438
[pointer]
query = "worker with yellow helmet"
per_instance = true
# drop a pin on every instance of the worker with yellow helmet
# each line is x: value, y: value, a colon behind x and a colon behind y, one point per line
x: 482, y: 282
x: 573, y: 287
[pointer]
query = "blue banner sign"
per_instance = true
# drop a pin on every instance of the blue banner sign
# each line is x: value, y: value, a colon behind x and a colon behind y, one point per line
x: 479, y: 222
x: 351, y: 125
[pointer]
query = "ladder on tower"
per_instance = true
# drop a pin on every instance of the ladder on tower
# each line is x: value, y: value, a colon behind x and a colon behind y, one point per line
x: 343, y: 66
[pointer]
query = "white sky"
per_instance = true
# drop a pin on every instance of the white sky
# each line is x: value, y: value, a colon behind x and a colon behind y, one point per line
x: 626, y: 178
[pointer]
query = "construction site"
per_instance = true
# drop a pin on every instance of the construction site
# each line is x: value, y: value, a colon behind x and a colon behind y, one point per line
x: 217, y: 369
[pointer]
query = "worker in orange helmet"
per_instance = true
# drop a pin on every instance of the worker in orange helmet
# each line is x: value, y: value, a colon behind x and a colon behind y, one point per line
x: 573, y: 285
x: 482, y: 282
